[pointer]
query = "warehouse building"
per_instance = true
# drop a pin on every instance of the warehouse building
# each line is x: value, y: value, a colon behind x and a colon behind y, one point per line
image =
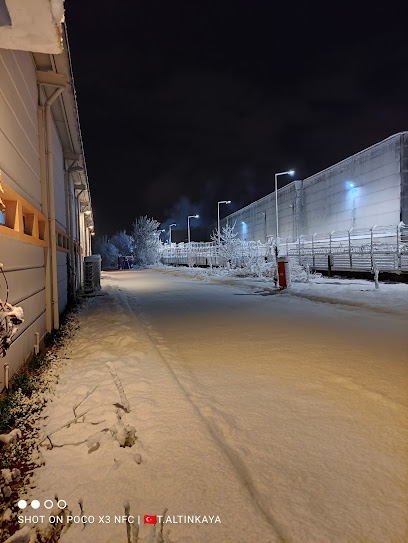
x: 365, y: 190
x: 46, y: 218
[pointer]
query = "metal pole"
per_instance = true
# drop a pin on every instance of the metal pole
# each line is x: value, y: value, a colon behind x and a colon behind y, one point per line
x: 218, y: 231
x: 218, y: 222
x: 290, y: 172
x: 276, y: 207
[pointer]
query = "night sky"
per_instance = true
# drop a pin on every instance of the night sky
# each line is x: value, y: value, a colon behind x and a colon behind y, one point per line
x: 184, y: 103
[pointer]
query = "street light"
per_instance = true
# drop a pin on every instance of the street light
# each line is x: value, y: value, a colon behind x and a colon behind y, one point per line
x: 174, y: 224
x: 188, y: 226
x: 289, y: 172
x: 219, y: 232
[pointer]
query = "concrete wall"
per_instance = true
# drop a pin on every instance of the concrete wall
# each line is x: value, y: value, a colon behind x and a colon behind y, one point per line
x: 258, y: 220
x: 329, y: 203
x: 404, y: 177
x: 326, y: 201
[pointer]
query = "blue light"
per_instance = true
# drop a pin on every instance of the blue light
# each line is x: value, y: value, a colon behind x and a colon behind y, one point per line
x: 354, y: 192
x: 350, y: 185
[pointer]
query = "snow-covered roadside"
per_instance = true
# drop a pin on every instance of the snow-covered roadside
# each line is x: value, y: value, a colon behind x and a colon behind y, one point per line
x: 19, y: 455
x: 240, y: 414
x: 174, y: 463
x: 389, y: 298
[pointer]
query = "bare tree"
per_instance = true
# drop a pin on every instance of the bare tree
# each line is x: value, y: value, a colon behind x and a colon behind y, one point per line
x: 229, y: 244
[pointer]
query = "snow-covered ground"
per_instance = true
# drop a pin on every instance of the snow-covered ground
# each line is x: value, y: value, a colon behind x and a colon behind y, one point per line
x: 284, y: 418
x: 390, y: 297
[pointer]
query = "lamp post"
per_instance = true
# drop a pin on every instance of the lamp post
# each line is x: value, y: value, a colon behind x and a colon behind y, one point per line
x: 174, y: 224
x: 218, y: 224
x: 289, y: 172
x: 188, y: 226
x: 158, y: 234
x: 264, y: 215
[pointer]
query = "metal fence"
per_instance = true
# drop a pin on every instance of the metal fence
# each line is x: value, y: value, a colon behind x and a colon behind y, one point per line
x: 210, y: 254
x: 381, y: 247
x: 384, y: 248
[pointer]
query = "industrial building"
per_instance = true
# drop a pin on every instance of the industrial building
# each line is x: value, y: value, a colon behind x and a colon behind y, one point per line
x: 46, y: 219
x: 367, y: 189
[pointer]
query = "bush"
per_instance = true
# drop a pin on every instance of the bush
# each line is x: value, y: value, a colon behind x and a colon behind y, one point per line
x: 25, y: 383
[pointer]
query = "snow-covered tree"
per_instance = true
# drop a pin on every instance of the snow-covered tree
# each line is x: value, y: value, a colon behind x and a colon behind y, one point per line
x: 123, y: 243
x: 108, y: 251
x: 229, y: 246
x: 146, y: 241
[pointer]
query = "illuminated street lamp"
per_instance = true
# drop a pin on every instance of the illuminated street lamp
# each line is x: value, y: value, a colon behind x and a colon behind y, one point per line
x: 174, y: 224
x: 188, y: 226
x: 289, y: 172
x: 219, y: 232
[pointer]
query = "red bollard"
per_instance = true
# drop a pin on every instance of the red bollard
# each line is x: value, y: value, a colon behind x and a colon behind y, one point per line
x: 282, y: 270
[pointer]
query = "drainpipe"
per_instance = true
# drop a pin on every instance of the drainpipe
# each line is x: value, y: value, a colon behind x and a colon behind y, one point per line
x: 70, y: 223
x: 78, y: 206
x: 44, y: 209
x: 68, y: 228
x: 51, y: 220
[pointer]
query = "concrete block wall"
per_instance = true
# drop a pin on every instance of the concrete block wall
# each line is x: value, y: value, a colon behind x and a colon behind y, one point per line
x: 326, y: 201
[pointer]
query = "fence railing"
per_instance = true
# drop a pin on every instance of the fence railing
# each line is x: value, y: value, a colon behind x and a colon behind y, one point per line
x: 380, y: 247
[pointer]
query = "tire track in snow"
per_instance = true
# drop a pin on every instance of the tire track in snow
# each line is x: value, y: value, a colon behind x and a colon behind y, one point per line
x: 233, y: 457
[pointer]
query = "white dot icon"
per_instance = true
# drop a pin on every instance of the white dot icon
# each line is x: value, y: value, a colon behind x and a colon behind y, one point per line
x: 22, y: 504
x: 35, y: 504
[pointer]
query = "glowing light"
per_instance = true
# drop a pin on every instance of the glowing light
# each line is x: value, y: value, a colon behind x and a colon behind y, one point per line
x: 291, y: 172
x: 350, y: 185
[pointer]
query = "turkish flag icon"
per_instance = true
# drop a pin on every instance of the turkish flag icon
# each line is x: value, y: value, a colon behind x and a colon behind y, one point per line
x: 149, y: 519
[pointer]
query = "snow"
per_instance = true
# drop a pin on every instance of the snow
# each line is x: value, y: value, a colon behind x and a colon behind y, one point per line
x: 388, y: 298
x: 11, y: 437
x: 282, y: 415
